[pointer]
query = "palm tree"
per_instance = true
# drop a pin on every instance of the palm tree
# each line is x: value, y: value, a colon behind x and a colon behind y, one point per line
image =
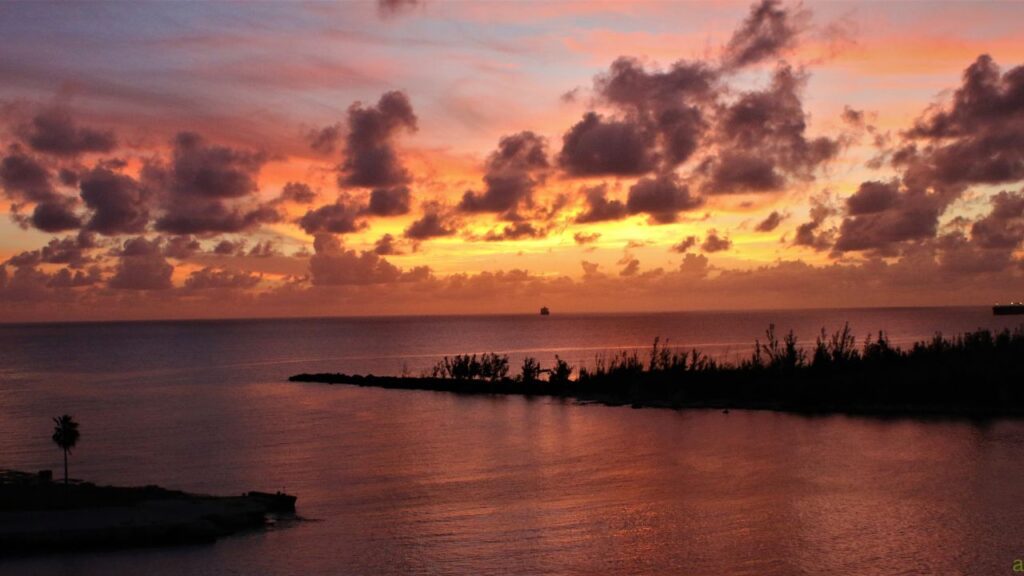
x: 65, y: 435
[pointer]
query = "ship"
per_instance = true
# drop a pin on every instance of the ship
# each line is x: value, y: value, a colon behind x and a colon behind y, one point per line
x: 544, y: 311
x: 1007, y: 309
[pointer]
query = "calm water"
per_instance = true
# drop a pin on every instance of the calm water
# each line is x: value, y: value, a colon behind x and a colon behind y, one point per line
x: 430, y: 483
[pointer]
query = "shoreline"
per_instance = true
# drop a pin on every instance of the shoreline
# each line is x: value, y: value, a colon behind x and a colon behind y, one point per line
x: 38, y: 515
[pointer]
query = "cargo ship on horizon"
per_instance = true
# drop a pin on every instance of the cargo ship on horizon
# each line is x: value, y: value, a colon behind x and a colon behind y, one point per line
x: 1008, y: 309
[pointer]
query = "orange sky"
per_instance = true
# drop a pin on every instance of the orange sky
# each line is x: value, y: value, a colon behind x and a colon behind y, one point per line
x: 758, y: 156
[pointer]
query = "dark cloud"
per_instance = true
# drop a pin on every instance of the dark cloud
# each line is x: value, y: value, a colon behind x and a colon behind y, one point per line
x: 208, y: 189
x: 388, y: 8
x: 630, y: 266
x: 771, y: 222
x: 70, y: 250
x: 685, y: 245
x: 432, y: 224
x: 762, y: 140
x: 810, y: 233
x: 54, y: 132
x: 872, y: 197
x: 977, y: 139
x: 715, y: 243
x: 298, y: 193
x: 596, y: 147
x: 385, y: 246
x: 325, y: 140
x: 767, y: 32
x: 181, y: 247
x: 68, y: 177
x: 512, y: 173
x: 662, y: 198
x: 694, y: 265
x: 65, y: 278
x: 214, y: 278
x: 229, y: 247
x: 583, y: 239
x: 25, y: 179
x: 55, y: 217
x: 515, y: 231
x: 333, y: 265
x: 599, y: 207
x: 118, y: 202
x: 370, y: 156
x: 338, y: 218
x: 389, y: 201
x: 1003, y: 227
x: 265, y: 249
x: 895, y: 217
x: 142, y: 266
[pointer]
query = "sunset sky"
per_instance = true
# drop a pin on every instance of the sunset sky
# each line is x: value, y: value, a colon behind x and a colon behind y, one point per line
x: 179, y: 160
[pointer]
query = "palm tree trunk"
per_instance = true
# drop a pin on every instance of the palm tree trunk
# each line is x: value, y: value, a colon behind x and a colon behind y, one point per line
x: 65, y: 467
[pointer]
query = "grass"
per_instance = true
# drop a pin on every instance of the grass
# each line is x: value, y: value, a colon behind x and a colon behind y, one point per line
x: 976, y: 373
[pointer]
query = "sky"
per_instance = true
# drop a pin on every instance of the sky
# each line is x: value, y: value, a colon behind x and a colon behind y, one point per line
x: 198, y: 160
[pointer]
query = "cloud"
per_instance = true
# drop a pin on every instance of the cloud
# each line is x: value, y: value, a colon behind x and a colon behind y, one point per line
x: 583, y: 239
x: 388, y: 8
x: 25, y: 179
x: 385, y: 246
x: 1003, y: 227
x: 512, y: 173
x: 324, y: 140
x: 892, y: 217
x: 762, y: 140
x: 810, y: 233
x: 338, y: 218
x: 662, y: 198
x: 54, y: 132
x: 370, y: 157
x: 595, y: 146
x: 685, y: 245
x: 389, y: 201
x: 208, y: 189
x: 599, y: 208
x: 181, y: 247
x: 715, y: 243
x: 213, y: 278
x: 333, y: 265
x: 298, y: 193
x: 694, y: 265
x: 771, y: 222
x: 432, y: 224
x: 118, y: 202
x: 767, y: 32
x: 515, y: 231
x: 630, y: 266
x: 142, y: 266
x: 55, y: 217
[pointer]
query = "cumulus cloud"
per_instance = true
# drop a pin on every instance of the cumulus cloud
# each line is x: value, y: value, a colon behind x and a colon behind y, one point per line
x: 512, y: 173
x: 54, y: 132
x: 389, y: 201
x: 324, y: 140
x: 433, y: 224
x: 333, y: 265
x: 685, y: 245
x: 208, y: 189
x: 24, y: 179
x: 583, y: 238
x: 595, y: 146
x: 713, y: 242
x: 599, y: 208
x: 298, y: 193
x: 181, y: 247
x: 662, y: 197
x: 771, y: 222
x: 767, y: 32
x: 386, y: 246
x: 338, y: 218
x: 370, y: 156
x: 762, y: 140
x: 142, y: 266
x: 118, y: 202
x: 515, y: 231
x: 216, y: 278
x: 879, y: 216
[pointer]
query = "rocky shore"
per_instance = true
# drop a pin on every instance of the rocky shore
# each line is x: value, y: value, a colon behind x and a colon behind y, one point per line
x: 38, y: 515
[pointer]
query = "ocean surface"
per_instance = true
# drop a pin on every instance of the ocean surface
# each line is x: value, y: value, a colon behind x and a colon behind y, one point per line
x: 415, y: 482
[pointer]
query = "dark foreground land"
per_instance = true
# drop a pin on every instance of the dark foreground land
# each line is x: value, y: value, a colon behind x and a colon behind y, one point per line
x: 41, y: 516
x: 977, y: 374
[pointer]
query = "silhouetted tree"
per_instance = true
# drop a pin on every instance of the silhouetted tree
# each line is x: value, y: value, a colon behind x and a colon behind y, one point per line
x: 65, y: 435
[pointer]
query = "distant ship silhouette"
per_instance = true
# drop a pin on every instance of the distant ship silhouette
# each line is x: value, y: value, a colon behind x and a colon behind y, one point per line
x: 1007, y: 309
x: 544, y: 311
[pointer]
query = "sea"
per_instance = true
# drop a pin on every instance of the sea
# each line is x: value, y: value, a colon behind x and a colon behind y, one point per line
x: 420, y: 482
